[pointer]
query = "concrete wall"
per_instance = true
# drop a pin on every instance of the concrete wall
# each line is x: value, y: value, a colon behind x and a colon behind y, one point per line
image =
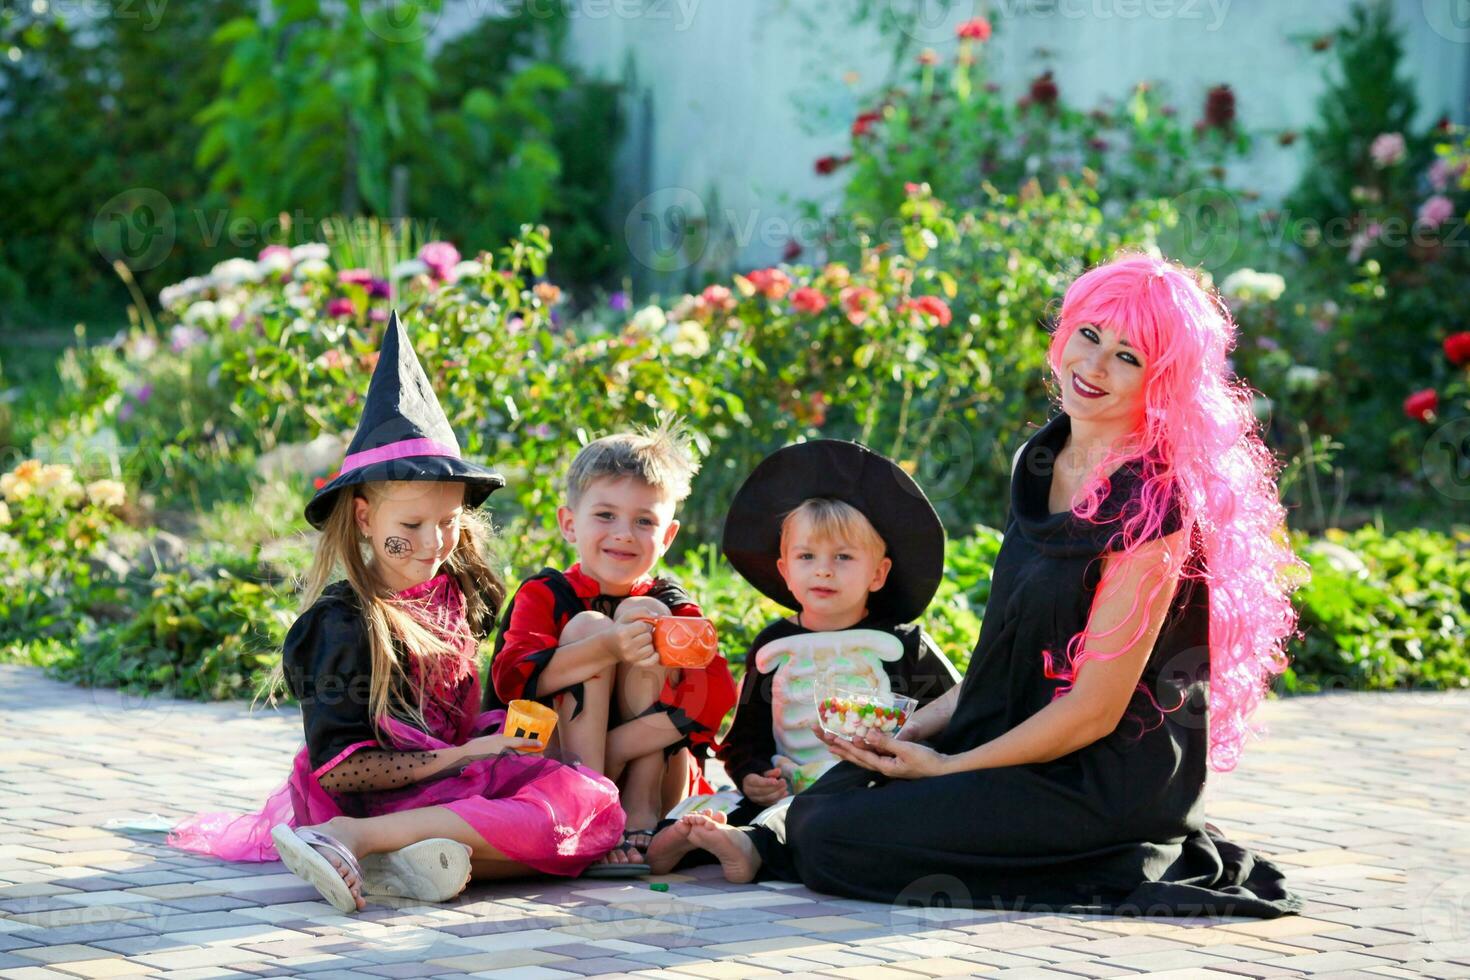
x: 731, y: 101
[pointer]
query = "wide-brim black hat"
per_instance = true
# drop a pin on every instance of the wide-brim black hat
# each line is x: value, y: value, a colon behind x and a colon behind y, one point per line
x: 847, y: 471
x: 403, y: 434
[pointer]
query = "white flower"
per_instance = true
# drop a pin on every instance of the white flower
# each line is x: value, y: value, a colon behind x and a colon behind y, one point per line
x: 141, y: 347
x: 204, y: 311
x: 311, y: 252
x: 313, y: 269
x: 228, y: 308
x: 7, y: 544
x: 689, y: 340
x: 4, y: 512
x: 1300, y: 377
x: 1248, y: 285
x: 407, y: 269
x: 60, y: 480
x: 107, y: 493
x: 469, y: 268
x: 171, y: 296
x: 650, y: 319
x: 273, y: 263
x: 232, y: 272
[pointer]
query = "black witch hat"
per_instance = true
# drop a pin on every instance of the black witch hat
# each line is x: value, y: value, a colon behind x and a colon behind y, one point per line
x: 403, y: 434
x: 847, y: 471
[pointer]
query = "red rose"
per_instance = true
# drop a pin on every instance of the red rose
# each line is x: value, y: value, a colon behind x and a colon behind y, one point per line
x: 1457, y: 347
x: 808, y: 300
x: 929, y: 306
x: 828, y: 164
x: 1421, y: 405
x: 975, y: 29
x: 792, y: 252
x: 772, y: 283
x: 1220, y: 108
x: 863, y: 124
x: 1044, y: 91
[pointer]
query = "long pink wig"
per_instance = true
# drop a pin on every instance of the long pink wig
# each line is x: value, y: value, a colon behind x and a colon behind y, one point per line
x: 1199, y: 447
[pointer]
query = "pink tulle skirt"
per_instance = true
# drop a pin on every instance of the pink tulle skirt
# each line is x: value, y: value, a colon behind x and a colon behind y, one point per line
x: 554, y: 818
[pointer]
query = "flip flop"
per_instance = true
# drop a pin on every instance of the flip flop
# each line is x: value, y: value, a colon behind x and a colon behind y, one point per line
x: 299, y: 855
x: 433, y: 870
x: 626, y: 869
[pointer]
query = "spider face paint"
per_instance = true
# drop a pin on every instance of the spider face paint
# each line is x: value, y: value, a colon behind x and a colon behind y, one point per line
x: 413, y: 527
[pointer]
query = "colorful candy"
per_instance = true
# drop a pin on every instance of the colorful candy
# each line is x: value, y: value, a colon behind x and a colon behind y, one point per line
x: 853, y: 717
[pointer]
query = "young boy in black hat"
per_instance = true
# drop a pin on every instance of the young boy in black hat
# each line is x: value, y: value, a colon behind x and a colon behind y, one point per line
x: 843, y: 536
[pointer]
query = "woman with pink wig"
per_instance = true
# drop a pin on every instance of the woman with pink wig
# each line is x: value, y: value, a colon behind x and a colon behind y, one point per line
x: 1139, y: 608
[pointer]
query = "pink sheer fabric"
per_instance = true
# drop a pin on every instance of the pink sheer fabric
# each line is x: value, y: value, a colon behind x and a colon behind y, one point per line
x: 554, y: 818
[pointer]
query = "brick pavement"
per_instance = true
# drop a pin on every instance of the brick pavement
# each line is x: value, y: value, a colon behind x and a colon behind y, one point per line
x: 1360, y: 796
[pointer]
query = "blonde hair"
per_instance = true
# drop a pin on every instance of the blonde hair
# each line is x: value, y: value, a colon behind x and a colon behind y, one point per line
x: 661, y: 457
x: 393, y: 631
x: 835, y: 520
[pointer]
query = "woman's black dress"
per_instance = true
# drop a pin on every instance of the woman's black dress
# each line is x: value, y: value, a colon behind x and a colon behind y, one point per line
x: 1115, y: 827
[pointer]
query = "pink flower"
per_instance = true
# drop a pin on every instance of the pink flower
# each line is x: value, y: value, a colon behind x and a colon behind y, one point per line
x: 354, y: 277
x: 975, y: 29
x: 1362, y: 240
x: 808, y: 300
x: 772, y: 283
x: 440, y: 257
x: 931, y: 306
x: 1387, y: 149
x: 1436, y: 211
x: 928, y: 57
x: 719, y: 298
x: 855, y: 301
x: 340, y: 307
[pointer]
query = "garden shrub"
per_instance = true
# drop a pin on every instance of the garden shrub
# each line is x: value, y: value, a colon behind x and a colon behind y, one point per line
x: 1382, y: 612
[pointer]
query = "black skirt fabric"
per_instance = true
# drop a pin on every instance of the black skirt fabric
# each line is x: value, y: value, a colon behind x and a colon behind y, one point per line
x: 1116, y: 827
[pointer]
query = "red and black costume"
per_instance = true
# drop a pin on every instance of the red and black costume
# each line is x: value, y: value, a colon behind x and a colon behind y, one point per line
x: 530, y: 633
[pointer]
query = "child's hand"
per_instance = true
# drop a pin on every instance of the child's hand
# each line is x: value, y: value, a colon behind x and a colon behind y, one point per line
x: 764, y: 788
x: 632, y: 643
x: 488, y: 745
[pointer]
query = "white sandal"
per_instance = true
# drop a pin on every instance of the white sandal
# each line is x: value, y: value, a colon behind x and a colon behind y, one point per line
x: 433, y: 870
x: 298, y: 852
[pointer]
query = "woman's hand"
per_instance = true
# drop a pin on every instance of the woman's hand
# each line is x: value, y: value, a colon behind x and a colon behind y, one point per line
x: 487, y: 745
x: 887, y: 755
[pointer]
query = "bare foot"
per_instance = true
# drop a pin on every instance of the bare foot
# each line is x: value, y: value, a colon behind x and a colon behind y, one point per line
x: 672, y: 843
x: 737, y: 855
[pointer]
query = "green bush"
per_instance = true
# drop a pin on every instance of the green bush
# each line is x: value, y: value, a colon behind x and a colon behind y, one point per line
x: 209, y: 636
x: 1383, y: 612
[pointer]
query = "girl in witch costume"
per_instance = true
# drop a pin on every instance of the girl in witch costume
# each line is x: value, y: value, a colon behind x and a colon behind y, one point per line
x: 846, y: 538
x: 1139, y: 606
x: 404, y: 786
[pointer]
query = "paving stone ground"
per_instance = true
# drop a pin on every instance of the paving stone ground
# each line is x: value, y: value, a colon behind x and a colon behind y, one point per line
x: 1361, y: 797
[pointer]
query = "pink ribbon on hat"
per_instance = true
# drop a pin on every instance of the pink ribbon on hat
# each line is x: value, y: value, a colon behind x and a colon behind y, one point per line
x: 397, y: 450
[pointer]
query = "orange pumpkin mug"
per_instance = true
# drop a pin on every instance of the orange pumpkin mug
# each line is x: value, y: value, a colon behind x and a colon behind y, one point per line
x: 684, y: 641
